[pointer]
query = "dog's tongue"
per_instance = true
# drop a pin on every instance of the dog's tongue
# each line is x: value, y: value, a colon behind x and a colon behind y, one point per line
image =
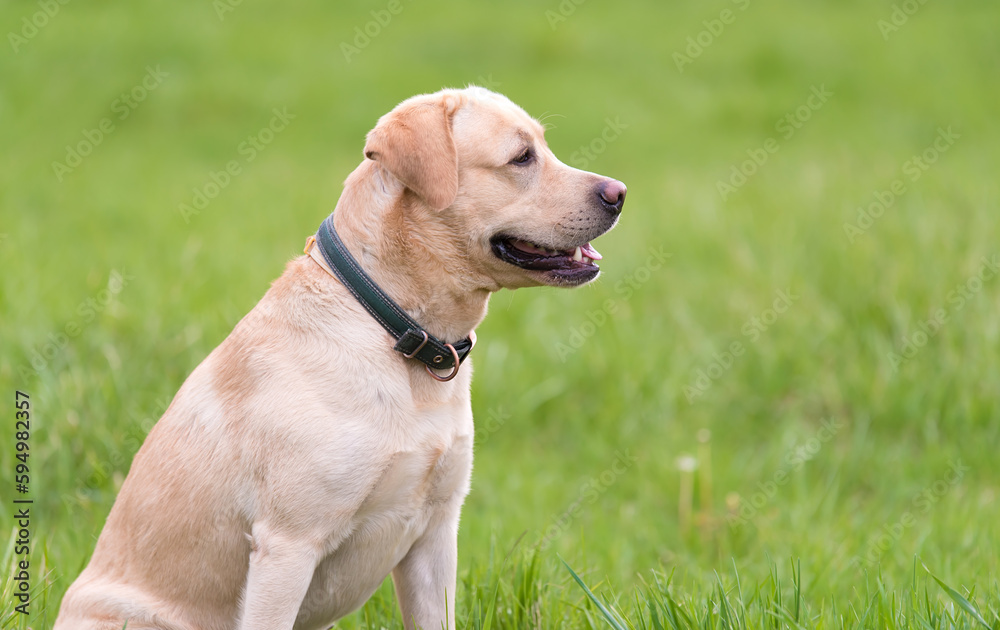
x: 589, y: 251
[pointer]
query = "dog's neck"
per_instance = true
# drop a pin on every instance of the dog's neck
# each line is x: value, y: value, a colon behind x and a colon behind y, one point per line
x: 411, y: 258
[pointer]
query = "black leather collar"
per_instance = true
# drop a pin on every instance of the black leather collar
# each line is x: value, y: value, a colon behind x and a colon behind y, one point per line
x: 411, y: 339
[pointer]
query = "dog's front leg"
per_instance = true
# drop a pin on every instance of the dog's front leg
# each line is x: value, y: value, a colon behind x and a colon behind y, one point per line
x: 425, y: 578
x: 281, y: 569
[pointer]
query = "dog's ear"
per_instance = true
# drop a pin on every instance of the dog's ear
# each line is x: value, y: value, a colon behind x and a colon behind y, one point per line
x: 415, y: 143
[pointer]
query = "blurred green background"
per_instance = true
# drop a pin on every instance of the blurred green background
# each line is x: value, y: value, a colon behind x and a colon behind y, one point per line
x: 830, y: 433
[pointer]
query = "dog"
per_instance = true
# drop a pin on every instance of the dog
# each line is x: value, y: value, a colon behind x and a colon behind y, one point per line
x: 307, y: 458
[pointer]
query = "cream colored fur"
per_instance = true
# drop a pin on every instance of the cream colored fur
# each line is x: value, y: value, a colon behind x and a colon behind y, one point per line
x: 304, y: 460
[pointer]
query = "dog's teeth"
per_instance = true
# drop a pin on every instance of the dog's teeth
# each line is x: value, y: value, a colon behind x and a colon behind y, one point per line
x: 577, y: 254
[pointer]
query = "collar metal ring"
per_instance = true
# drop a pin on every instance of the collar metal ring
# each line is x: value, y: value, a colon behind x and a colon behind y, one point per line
x: 454, y: 370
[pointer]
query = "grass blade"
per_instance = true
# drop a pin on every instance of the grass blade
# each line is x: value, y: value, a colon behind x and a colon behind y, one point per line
x: 963, y: 603
x: 611, y: 618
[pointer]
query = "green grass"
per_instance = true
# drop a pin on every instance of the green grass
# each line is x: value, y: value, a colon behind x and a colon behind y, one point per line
x: 822, y: 453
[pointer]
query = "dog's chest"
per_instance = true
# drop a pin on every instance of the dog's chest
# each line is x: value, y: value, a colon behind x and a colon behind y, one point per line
x: 412, y: 482
x: 413, y: 489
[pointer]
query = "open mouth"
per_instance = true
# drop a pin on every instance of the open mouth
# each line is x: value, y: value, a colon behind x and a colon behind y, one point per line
x: 574, y: 265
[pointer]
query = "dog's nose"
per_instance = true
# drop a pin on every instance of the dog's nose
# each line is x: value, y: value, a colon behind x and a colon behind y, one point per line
x: 613, y: 195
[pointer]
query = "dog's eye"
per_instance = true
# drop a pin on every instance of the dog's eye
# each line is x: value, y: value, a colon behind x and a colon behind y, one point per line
x: 525, y: 157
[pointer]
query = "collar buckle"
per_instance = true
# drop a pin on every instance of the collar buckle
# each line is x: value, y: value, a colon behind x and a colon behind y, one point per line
x: 418, y: 348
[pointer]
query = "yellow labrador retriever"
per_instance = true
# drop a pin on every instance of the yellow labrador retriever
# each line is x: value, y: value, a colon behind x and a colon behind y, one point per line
x: 307, y: 457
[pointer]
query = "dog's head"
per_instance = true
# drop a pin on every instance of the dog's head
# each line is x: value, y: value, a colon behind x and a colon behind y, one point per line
x: 477, y: 171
